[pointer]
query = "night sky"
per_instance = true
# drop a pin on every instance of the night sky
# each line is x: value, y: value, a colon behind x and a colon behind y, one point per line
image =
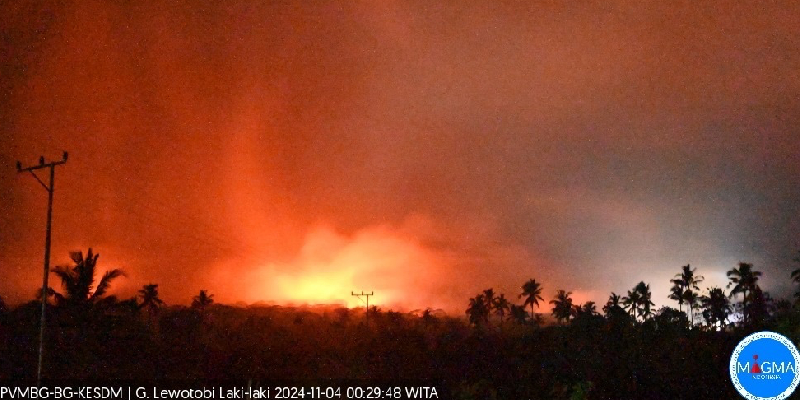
x: 295, y: 151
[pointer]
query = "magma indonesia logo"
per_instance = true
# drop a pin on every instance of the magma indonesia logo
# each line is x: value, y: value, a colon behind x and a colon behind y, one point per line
x: 764, y: 367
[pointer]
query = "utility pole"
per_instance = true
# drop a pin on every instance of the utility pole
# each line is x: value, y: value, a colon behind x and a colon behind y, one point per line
x: 367, y: 296
x: 49, y: 188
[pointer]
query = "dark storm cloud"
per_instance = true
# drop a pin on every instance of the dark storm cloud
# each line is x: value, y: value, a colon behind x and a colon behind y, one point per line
x: 588, y: 145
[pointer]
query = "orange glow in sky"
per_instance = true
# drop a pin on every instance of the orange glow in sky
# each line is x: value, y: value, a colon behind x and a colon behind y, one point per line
x: 298, y: 151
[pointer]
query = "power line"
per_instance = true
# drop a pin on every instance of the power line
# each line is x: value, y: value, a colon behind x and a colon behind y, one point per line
x: 50, y: 189
x: 367, y: 296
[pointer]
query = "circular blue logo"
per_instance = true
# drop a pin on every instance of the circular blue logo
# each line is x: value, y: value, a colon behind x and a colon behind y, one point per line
x: 764, y: 367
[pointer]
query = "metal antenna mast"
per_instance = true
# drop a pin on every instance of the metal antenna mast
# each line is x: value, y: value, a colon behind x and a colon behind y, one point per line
x: 367, y: 296
x: 49, y: 188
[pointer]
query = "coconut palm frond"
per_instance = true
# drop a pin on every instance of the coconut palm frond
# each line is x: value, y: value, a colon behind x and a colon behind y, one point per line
x: 105, y: 282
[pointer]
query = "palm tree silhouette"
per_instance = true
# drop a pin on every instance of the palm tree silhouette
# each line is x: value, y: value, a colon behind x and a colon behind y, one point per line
x: 533, y: 292
x: 562, y: 305
x: 488, y: 295
x: 744, y: 280
x: 684, y: 281
x: 612, y: 303
x: 638, y: 301
x: 501, y: 306
x: 692, y: 299
x: 150, y: 300
x: 477, y: 310
x: 645, y: 302
x: 689, y: 277
x: 716, y: 306
x: 576, y: 311
x: 202, y: 300
x: 677, y: 293
x: 631, y: 302
x: 78, y: 281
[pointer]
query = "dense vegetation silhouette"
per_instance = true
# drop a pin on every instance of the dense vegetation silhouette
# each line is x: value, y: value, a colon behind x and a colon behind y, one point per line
x: 624, y: 349
x: 78, y: 282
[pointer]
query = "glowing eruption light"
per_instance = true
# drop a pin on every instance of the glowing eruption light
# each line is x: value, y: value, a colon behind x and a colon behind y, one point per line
x: 331, y: 265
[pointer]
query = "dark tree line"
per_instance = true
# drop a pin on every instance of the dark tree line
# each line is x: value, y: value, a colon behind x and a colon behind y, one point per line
x: 715, y: 306
x: 624, y: 349
x: 707, y: 324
